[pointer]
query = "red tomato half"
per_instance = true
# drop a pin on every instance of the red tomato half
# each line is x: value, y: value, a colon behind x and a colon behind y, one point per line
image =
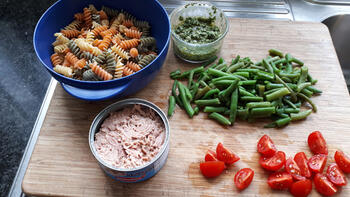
x: 324, y: 186
x: 335, y: 175
x: 301, y: 188
x: 317, y: 143
x: 266, y: 146
x: 210, y: 156
x: 317, y: 163
x: 343, y: 161
x: 273, y: 163
x: 212, y: 169
x: 293, y: 169
x: 225, y: 155
x: 301, y: 160
x: 280, y: 180
x: 243, y: 178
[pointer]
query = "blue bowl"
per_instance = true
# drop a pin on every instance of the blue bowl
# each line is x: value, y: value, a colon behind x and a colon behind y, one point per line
x: 61, y: 14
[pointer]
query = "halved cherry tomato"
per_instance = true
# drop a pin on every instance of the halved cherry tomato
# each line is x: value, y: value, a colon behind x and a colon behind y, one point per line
x: 335, y: 175
x: 243, y: 178
x: 266, y: 146
x: 212, y: 169
x: 293, y: 169
x: 273, y: 163
x: 225, y: 155
x: 324, y: 186
x: 280, y: 180
x: 301, y: 188
x: 210, y: 156
x: 343, y: 161
x: 317, y: 143
x: 301, y: 160
x: 317, y: 163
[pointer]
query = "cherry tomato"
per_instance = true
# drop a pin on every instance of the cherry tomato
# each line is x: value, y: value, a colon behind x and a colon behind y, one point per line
x: 301, y: 188
x: 317, y: 143
x: 266, y: 146
x: 324, y: 186
x: 210, y: 156
x: 301, y: 160
x: 317, y: 163
x: 273, y: 163
x: 335, y: 175
x: 293, y: 169
x: 280, y: 180
x: 243, y: 178
x: 343, y: 161
x: 212, y: 169
x: 225, y: 155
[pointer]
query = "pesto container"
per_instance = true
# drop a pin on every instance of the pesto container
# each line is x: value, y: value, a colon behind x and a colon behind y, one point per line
x: 197, y: 52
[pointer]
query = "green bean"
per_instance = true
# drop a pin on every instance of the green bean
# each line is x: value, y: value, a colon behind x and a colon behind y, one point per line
x: 303, y: 76
x: 184, y: 100
x: 248, y: 82
x: 302, y: 86
x: 240, y: 77
x: 202, y: 83
x: 314, y: 90
x: 210, y: 61
x: 221, y: 66
x: 196, y: 110
x: 283, y: 121
x: 261, y: 89
x: 234, y: 67
x: 196, y: 70
x: 275, y: 52
x: 270, y: 91
x: 298, y: 104
x: 307, y: 92
x: 307, y: 99
x: 205, y: 102
x: 244, y: 92
x: 292, y: 93
x: 280, y: 61
x: 211, y: 92
x: 171, y: 106
x: 297, y: 61
x: 277, y: 94
x: 212, y: 66
x: 233, y: 106
x: 174, y: 74
x: 291, y: 110
x: 289, y: 103
x: 286, y: 79
x: 289, y: 68
x: 265, y: 75
x: 252, y: 98
x: 258, y: 104
x: 217, y: 73
x: 242, y: 113
x: 202, y: 92
x: 270, y: 85
x: 234, y: 61
x: 194, y: 89
x: 223, y: 83
x: 227, y: 92
x: 220, y: 118
x: 230, y: 77
x: 173, y: 92
x: 301, y: 115
x: 262, y: 111
x: 187, y: 93
x: 221, y: 60
x: 289, y: 75
x: 210, y: 109
x: 282, y: 115
x: 190, y: 79
x: 267, y: 65
x: 243, y: 74
x: 257, y: 67
x: 310, y: 79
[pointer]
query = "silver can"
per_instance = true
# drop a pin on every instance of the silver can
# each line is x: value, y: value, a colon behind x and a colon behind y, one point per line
x: 136, y: 174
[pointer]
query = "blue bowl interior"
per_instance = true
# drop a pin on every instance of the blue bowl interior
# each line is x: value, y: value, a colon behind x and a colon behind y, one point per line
x: 62, y: 13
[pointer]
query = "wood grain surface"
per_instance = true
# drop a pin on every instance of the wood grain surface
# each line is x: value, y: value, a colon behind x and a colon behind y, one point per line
x: 62, y: 164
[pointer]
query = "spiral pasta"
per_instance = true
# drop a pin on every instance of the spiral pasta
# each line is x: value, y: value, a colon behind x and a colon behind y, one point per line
x: 102, y: 45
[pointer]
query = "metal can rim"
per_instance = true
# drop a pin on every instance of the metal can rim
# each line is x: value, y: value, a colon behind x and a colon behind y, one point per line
x: 100, y: 117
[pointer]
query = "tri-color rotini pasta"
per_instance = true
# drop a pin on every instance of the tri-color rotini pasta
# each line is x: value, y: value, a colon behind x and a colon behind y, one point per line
x: 103, y: 45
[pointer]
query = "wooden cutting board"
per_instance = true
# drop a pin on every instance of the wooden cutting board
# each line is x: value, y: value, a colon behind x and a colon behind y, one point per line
x: 62, y: 165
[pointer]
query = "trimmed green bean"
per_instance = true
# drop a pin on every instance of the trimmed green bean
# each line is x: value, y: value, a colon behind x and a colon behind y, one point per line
x: 265, y: 75
x: 233, y: 106
x: 217, y: 73
x: 211, y: 92
x: 184, y: 100
x: 307, y: 99
x: 194, y: 89
x: 280, y: 61
x: 210, y: 109
x: 275, y: 52
x: 258, y: 104
x: 205, y: 102
x: 171, y: 106
x: 248, y: 82
x: 230, y: 77
x: 303, y: 75
x: 314, y: 90
x: 190, y: 79
x: 289, y: 103
x: 252, y: 98
x: 234, y: 61
x: 277, y: 94
x: 227, y: 92
x: 289, y: 67
x: 202, y: 92
x: 173, y: 92
x: 250, y: 70
x: 221, y: 60
x: 297, y: 61
x: 262, y: 111
x: 234, y: 67
x: 174, y: 74
x: 261, y: 89
x: 292, y: 93
x: 283, y: 121
x: 243, y: 113
x: 302, y: 86
x: 267, y: 65
x: 291, y: 110
x: 210, y: 61
x: 243, y: 74
x: 196, y: 110
x: 220, y: 118
x: 301, y: 115
x: 244, y: 92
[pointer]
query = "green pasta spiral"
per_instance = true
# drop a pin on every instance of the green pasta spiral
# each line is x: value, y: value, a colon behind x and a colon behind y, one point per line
x: 89, y: 75
x: 96, y: 18
x: 74, y: 48
x: 101, y: 59
x: 110, y: 12
x: 110, y: 62
x: 146, y: 60
x: 88, y: 56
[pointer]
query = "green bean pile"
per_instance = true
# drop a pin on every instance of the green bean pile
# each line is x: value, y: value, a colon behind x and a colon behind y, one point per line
x: 275, y: 87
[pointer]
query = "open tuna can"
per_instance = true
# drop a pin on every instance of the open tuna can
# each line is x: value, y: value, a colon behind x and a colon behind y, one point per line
x: 130, y: 140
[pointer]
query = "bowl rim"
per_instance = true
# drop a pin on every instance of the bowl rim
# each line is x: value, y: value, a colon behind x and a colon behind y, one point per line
x: 120, y: 105
x: 206, y: 3
x: 50, y: 69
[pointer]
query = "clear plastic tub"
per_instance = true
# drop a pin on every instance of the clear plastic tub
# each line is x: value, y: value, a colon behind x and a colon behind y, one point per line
x: 197, y: 53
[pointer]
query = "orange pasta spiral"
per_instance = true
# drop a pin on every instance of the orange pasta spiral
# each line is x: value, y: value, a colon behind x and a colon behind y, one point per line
x: 128, y: 44
x: 100, y: 72
x: 87, y: 17
x: 79, y: 16
x: 134, y: 28
x: 80, y: 64
x: 108, y: 31
x: 100, y: 29
x: 116, y: 40
x: 71, y: 58
x: 105, y: 42
x: 133, y: 66
x: 127, y: 71
x: 66, y: 63
x: 134, y: 52
x: 96, y: 42
x: 132, y: 33
x: 103, y: 15
x: 70, y: 33
x: 56, y: 59
x: 128, y: 23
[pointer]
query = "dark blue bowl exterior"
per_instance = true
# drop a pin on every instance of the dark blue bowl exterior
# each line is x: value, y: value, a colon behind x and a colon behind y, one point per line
x: 61, y: 13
